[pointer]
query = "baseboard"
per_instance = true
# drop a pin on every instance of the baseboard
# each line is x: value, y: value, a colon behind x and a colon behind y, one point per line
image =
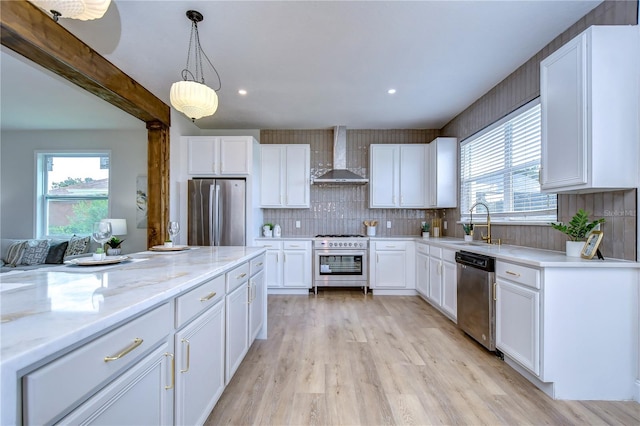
x: 399, y: 292
x: 543, y: 386
x: 637, y: 391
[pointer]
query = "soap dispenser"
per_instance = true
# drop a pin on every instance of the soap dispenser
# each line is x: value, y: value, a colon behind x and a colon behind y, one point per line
x: 277, y: 232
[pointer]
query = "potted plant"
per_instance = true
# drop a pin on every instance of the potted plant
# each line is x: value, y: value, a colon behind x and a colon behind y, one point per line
x: 168, y: 243
x: 113, y: 246
x: 577, y: 230
x: 468, y: 231
x: 98, y: 255
x: 267, y: 229
x: 425, y: 229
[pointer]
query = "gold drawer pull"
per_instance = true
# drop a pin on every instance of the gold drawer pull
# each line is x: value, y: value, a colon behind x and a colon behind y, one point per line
x: 242, y: 275
x: 188, y: 355
x: 259, y: 264
x: 208, y: 296
x: 136, y: 342
x: 173, y: 371
x: 513, y: 273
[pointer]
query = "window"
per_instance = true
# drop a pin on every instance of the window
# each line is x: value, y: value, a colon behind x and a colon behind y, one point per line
x: 73, y: 192
x: 499, y: 167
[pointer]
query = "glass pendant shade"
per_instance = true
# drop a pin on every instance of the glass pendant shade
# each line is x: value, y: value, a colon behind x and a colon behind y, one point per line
x: 77, y: 9
x: 193, y: 99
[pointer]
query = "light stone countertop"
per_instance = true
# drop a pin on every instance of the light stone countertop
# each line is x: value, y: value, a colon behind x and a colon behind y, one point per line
x: 47, y: 310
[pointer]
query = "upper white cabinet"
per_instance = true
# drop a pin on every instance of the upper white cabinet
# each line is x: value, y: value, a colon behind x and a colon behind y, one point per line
x: 398, y: 176
x: 219, y: 155
x: 285, y: 171
x: 442, y: 173
x: 589, y: 96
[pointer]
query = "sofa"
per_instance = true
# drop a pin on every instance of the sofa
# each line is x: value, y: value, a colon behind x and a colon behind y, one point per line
x: 29, y: 254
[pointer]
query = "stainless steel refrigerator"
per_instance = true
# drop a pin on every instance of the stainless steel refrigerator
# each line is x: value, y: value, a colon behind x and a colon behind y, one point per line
x: 216, y: 212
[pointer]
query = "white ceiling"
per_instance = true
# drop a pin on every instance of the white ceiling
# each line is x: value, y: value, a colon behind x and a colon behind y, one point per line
x: 305, y: 64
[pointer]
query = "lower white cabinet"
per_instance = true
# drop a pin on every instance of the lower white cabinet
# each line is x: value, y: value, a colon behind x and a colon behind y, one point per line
x: 199, y: 369
x: 257, y: 301
x: 518, y: 314
x: 422, y: 269
x: 141, y: 396
x: 392, y: 265
x: 237, y: 329
x: 443, y: 281
x: 296, y: 265
x: 518, y: 323
x: 288, y: 263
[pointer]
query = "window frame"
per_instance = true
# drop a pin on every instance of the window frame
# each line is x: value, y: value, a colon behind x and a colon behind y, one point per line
x: 511, y: 217
x: 42, y: 196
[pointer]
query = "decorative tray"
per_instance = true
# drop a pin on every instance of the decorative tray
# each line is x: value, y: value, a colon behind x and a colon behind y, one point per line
x: 174, y: 248
x: 88, y: 261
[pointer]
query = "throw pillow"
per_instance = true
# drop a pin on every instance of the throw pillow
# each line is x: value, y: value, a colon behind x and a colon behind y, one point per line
x: 35, y: 252
x: 14, y: 253
x: 56, y: 253
x: 77, y: 245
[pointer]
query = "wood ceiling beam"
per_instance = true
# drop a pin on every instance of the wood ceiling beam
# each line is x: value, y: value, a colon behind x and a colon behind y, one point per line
x: 30, y: 32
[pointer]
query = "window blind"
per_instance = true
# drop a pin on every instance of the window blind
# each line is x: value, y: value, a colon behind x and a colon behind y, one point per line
x: 499, y: 167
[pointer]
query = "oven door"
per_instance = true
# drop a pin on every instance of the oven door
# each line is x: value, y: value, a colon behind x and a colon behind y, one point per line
x: 340, y: 267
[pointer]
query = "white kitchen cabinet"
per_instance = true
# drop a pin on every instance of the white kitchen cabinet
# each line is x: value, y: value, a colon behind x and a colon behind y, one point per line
x: 273, y: 260
x: 142, y: 395
x: 442, y: 173
x: 518, y: 323
x: 392, y: 266
x: 398, y: 176
x: 285, y: 172
x: 237, y: 325
x: 589, y: 101
x: 296, y: 264
x: 257, y: 298
x: 219, y: 155
x: 422, y: 269
x: 199, y: 366
x: 443, y: 284
x: 103, y: 360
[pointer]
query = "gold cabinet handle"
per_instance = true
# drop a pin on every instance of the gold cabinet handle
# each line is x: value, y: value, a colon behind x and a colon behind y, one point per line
x: 173, y: 371
x: 259, y: 264
x: 136, y: 342
x: 495, y: 291
x: 294, y: 245
x: 249, y: 292
x: 242, y: 275
x: 188, y: 354
x: 208, y: 296
x: 515, y: 274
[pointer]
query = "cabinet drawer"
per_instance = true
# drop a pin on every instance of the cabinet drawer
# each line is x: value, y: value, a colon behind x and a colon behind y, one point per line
x: 51, y: 389
x: 275, y: 245
x: 519, y: 274
x: 435, y: 252
x: 256, y: 264
x: 422, y: 248
x: 197, y: 300
x: 237, y: 276
x: 449, y: 255
x: 296, y: 245
x: 391, y: 245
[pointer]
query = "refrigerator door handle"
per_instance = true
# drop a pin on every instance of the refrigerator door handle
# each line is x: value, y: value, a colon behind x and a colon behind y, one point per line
x: 211, y: 217
x: 217, y: 217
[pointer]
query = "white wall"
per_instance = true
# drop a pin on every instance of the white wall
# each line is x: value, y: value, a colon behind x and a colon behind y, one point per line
x: 17, y: 175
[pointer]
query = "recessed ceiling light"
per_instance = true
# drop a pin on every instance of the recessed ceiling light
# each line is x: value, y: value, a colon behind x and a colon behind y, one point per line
x: 391, y: 91
x: 242, y: 92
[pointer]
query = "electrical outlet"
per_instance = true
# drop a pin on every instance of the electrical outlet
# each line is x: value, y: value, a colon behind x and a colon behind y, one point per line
x: 297, y: 224
x: 445, y: 225
x: 388, y: 224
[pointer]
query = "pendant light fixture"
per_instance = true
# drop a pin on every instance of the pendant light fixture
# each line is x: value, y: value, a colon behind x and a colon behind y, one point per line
x: 84, y: 10
x: 192, y: 96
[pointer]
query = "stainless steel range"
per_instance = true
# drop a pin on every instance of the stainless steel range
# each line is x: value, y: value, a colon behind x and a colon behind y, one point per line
x: 340, y: 261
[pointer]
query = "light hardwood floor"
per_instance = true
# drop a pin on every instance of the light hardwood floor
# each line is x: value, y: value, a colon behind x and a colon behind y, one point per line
x: 343, y: 358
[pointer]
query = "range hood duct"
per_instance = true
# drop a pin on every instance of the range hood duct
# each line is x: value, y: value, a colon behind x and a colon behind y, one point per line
x: 340, y: 175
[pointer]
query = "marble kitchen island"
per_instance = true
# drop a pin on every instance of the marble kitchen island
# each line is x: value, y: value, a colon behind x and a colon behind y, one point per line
x: 49, y: 313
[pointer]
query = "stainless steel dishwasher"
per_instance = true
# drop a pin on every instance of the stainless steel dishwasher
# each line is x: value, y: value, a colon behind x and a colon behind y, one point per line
x: 476, y: 305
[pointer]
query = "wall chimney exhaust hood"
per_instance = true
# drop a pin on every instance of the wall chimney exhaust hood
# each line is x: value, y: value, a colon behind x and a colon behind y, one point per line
x: 340, y: 175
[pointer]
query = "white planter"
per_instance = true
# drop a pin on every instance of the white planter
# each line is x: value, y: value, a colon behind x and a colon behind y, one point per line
x: 425, y: 235
x: 468, y: 237
x: 574, y: 248
x: 114, y: 251
x: 168, y: 244
x: 371, y: 231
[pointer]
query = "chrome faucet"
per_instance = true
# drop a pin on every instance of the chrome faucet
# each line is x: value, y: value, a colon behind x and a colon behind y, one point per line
x: 488, y: 225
